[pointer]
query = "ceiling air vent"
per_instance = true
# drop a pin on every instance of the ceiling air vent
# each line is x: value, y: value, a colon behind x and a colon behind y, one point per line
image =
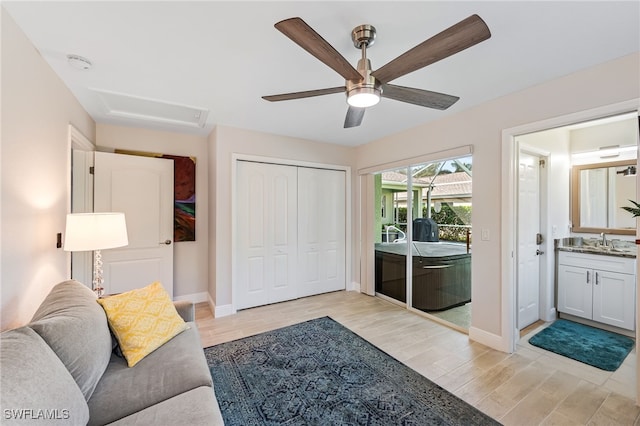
x: 138, y: 108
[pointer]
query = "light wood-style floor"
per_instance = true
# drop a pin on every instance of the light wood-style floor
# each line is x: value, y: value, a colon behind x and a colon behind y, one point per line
x: 528, y: 387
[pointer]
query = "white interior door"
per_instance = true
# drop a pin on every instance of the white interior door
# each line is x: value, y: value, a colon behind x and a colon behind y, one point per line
x: 82, y: 202
x: 266, y: 233
x: 142, y: 188
x: 528, y: 228
x: 321, y: 231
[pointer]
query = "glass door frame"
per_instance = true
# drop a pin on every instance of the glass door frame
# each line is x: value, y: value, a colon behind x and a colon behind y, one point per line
x: 367, y: 203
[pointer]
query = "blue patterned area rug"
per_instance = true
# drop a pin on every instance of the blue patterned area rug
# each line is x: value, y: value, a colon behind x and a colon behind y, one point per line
x: 320, y: 373
x: 600, y: 348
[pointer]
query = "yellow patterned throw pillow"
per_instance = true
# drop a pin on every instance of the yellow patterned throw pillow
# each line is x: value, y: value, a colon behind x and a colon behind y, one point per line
x: 142, y: 320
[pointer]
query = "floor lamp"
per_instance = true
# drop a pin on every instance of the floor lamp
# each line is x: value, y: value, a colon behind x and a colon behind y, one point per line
x: 95, y: 232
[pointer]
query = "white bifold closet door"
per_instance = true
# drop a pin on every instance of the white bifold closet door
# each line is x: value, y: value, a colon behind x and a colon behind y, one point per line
x: 266, y: 205
x: 321, y: 231
x: 290, y: 232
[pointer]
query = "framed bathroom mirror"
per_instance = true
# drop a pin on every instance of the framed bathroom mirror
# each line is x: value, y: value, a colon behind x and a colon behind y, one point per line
x: 598, y: 192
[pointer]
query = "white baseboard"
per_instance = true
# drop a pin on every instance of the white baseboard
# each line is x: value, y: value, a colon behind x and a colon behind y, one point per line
x: 354, y: 286
x: 551, y: 315
x: 489, y: 339
x: 195, y: 297
x: 205, y: 297
x: 222, y: 310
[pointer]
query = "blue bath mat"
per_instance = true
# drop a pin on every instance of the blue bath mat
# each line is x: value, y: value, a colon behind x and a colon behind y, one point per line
x: 599, y: 348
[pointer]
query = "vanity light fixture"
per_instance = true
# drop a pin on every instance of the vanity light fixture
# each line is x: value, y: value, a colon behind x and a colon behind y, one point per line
x: 609, y: 151
x: 624, y: 152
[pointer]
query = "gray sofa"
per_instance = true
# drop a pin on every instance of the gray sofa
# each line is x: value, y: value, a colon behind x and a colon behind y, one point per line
x: 61, y: 369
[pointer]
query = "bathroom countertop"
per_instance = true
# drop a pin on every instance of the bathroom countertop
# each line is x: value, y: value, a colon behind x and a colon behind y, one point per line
x: 616, y: 248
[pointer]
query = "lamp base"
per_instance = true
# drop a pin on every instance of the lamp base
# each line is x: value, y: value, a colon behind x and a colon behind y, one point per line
x: 97, y: 274
x: 99, y: 291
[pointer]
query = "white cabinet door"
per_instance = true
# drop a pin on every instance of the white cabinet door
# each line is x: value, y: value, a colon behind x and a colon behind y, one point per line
x: 142, y: 188
x: 597, y: 287
x: 614, y: 299
x: 575, y: 294
x: 266, y: 234
x: 321, y: 231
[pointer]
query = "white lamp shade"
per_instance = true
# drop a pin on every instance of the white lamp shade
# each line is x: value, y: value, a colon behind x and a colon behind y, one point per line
x: 95, y: 231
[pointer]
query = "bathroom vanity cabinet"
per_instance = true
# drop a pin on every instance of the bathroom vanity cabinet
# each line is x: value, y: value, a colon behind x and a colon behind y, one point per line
x: 598, y: 287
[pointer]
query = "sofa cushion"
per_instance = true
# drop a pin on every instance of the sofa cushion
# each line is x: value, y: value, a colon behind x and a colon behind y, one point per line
x: 177, y: 366
x: 197, y: 407
x: 36, y: 386
x: 142, y: 320
x: 186, y: 310
x: 75, y: 327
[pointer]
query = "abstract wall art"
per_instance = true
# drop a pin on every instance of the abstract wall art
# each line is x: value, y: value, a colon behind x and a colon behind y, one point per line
x: 184, y: 193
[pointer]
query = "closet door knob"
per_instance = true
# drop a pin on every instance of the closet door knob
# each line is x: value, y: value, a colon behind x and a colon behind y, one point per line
x: 167, y: 242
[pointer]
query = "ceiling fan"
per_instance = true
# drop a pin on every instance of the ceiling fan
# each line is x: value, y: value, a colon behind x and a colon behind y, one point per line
x: 363, y: 86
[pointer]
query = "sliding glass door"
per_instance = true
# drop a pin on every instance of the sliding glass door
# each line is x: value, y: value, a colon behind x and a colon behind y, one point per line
x: 423, y: 238
x: 391, y: 242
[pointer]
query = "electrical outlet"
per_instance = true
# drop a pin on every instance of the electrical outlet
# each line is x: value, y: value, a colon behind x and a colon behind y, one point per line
x: 554, y: 230
x: 484, y: 235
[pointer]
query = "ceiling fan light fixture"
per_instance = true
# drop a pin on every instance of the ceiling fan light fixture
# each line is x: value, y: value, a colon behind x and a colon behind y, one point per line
x: 364, y: 87
x: 363, y: 97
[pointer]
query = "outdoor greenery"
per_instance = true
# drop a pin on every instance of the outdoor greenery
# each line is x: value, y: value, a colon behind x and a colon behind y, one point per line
x: 453, y: 221
x: 457, y: 216
x: 456, y: 221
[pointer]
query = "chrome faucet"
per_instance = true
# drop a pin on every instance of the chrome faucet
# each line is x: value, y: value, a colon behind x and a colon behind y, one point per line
x: 604, y: 239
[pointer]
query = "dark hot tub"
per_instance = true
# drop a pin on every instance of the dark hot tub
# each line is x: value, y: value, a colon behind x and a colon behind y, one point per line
x: 441, y: 273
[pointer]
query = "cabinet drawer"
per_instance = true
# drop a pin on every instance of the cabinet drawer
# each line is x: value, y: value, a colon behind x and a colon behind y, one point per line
x: 623, y: 265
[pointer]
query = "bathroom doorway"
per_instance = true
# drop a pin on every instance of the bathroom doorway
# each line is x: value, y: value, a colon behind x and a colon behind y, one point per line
x: 560, y: 220
x: 552, y: 153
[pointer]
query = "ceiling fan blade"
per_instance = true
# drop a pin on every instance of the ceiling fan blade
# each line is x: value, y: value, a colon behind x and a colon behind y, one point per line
x: 305, y: 36
x: 354, y: 117
x: 454, y: 39
x: 306, y: 94
x: 419, y: 97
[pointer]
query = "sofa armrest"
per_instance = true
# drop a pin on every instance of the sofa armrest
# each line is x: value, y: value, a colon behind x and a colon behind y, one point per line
x: 186, y: 309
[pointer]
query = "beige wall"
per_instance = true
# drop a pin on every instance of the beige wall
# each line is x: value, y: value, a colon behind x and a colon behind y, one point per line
x: 605, y: 84
x: 226, y: 141
x: 37, y: 109
x: 191, y: 258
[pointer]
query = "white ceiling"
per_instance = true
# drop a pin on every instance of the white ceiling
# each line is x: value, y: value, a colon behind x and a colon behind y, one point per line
x: 223, y: 56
